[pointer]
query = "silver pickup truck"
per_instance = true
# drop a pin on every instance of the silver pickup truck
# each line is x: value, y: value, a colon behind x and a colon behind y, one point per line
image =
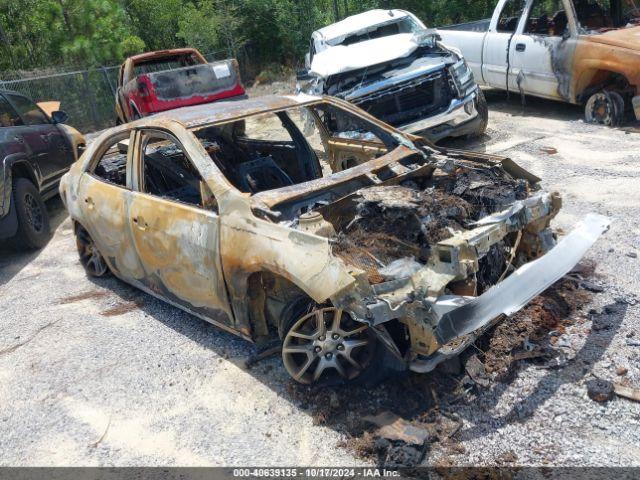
x: 585, y: 52
x: 390, y: 65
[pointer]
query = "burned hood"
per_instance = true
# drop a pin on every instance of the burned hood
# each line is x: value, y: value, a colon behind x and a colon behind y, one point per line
x: 628, y: 38
x: 342, y: 59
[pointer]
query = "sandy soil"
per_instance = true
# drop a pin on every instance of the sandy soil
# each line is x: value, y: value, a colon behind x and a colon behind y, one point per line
x: 97, y: 373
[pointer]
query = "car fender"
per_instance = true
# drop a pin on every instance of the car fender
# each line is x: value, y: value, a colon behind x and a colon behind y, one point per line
x: 6, y: 178
x: 250, y: 244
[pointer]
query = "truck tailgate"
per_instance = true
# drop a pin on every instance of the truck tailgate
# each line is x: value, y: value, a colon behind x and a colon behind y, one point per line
x: 192, y: 85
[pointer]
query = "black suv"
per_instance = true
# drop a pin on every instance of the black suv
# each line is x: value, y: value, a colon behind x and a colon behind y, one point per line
x: 35, y: 151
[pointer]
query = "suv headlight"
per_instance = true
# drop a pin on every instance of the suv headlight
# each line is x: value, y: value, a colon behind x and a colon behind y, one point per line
x: 462, y: 77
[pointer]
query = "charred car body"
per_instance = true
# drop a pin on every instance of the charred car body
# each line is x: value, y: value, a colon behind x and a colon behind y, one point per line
x: 237, y: 213
x: 388, y: 63
x: 583, y: 52
x: 154, y: 82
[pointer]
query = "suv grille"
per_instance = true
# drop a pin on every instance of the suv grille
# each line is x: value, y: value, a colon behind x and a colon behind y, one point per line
x: 410, y: 101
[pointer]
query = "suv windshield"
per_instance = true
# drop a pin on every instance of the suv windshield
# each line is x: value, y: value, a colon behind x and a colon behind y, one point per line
x: 395, y: 27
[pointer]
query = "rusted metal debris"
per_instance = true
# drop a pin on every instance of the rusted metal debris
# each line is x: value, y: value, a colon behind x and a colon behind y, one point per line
x: 392, y: 427
x: 627, y: 392
x: 602, y: 391
x: 476, y: 371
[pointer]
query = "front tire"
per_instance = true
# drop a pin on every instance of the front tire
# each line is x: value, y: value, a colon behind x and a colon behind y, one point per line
x: 327, y: 346
x: 604, y: 108
x: 33, y: 219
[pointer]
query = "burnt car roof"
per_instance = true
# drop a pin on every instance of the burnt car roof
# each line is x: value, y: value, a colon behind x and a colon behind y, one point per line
x: 222, y: 111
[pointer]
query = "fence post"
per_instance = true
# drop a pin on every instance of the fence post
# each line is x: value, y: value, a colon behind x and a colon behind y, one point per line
x: 89, y: 98
x: 106, y: 75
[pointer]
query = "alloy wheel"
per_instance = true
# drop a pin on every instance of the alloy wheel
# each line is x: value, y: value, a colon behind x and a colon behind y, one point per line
x: 33, y: 213
x: 327, y: 341
x: 90, y: 257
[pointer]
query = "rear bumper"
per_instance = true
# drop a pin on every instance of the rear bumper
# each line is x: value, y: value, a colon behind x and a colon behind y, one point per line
x: 464, y: 316
x: 461, y: 118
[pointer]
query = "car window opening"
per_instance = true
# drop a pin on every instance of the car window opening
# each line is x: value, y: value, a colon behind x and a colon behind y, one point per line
x: 161, y: 64
x: 276, y: 150
x: 169, y: 174
x: 112, y: 166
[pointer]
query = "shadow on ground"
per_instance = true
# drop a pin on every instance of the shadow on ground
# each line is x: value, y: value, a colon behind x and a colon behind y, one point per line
x: 513, y: 105
x: 432, y: 400
x: 13, y: 258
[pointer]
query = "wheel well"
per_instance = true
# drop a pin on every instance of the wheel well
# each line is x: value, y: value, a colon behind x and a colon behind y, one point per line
x: 269, y: 296
x: 21, y: 170
x: 595, y: 80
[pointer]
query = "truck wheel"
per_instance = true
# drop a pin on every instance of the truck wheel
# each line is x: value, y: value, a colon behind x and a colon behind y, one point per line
x: 33, y: 219
x: 604, y: 108
x: 327, y: 346
x: 483, y: 113
x: 90, y: 258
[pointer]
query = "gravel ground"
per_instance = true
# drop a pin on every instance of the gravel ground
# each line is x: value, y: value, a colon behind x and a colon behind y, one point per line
x: 97, y: 373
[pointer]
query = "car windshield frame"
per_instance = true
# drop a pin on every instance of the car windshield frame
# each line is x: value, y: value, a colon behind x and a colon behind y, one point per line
x: 394, y: 140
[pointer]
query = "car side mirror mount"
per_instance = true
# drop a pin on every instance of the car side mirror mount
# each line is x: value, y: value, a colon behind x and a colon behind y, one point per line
x: 59, y: 116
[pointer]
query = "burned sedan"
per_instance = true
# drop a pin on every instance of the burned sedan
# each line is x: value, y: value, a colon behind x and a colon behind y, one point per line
x: 363, y: 249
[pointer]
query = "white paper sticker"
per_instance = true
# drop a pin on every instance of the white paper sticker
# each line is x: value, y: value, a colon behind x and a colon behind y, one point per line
x: 222, y: 70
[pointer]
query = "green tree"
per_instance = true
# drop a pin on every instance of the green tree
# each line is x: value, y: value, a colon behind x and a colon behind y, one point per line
x: 156, y: 21
x: 99, y: 32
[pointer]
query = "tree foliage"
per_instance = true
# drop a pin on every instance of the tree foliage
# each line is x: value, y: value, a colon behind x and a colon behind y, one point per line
x: 52, y: 33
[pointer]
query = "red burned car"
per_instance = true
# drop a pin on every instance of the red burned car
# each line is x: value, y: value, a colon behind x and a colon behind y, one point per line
x: 163, y: 80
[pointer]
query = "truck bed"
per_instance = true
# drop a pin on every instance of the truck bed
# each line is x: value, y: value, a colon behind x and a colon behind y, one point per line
x: 158, y: 91
x: 476, y: 26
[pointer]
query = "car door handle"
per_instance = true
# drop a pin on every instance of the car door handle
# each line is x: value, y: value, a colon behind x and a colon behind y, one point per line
x: 18, y: 139
x: 521, y: 47
x: 140, y: 223
x: 44, y: 137
x: 89, y: 202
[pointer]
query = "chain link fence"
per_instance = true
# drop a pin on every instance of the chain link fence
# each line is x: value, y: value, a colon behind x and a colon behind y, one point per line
x: 87, y: 96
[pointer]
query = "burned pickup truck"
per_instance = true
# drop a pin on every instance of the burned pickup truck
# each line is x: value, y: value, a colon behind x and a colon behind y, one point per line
x: 235, y: 212
x: 387, y: 63
x: 585, y: 52
x: 153, y: 82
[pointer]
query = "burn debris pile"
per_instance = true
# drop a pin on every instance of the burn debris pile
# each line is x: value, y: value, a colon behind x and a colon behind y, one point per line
x: 488, y: 190
x: 405, y: 221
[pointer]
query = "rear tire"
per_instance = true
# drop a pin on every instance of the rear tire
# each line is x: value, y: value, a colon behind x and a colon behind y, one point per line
x: 90, y: 257
x: 33, y: 219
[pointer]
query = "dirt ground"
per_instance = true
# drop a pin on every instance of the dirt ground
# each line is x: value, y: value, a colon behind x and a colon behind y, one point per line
x: 97, y: 373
